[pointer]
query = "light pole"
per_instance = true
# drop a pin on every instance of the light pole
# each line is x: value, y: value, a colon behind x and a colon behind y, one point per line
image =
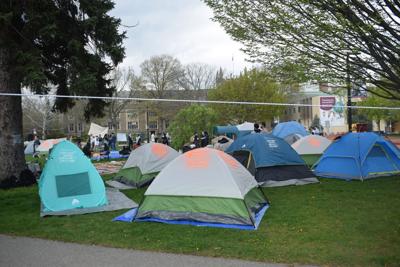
x: 147, y: 123
x: 348, y: 85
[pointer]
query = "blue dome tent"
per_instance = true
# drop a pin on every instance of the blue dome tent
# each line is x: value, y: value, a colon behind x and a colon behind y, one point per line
x: 359, y: 156
x: 290, y: 131
x: 271, y: 160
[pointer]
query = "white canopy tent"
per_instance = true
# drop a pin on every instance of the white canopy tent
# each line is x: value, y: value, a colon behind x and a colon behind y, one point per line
x: 97, y: 130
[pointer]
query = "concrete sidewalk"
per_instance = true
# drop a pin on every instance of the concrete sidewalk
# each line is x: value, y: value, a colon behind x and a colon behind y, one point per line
x: 23, y: 251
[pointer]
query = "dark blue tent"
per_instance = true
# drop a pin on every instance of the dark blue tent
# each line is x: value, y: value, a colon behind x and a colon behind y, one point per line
x: 271, y: 160
x: 291, y: 131
x: 359, y: 156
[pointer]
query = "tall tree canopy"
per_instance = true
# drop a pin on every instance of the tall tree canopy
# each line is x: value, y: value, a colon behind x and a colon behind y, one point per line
x: 321, y: 35
x: 71, y: 44
x: 253, y: 86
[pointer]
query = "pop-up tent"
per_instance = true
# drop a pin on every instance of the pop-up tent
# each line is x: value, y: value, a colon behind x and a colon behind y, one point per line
x: 97, y: 130
x: 271, y: 160
x: 290, y: 131
x: 311, y: 147
x: 359, y: 156
x: 48, y: 144
x: 144, y: 163
x: 70, y: 181
x: 204, y: 187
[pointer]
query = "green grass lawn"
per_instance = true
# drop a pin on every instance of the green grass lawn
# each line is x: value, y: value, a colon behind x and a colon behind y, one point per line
x: 331, y: 223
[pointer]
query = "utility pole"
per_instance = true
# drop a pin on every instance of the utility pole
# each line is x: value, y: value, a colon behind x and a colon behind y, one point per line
x: 147, y: 123
x: 348, y: 85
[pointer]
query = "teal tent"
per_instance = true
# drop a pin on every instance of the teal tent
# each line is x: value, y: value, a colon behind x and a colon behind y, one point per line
x: 70, y: 181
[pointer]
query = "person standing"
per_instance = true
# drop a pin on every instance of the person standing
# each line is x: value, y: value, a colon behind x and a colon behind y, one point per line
x: 196, y: 140
x: 204, y: 139
x: 257, y: 128
x: 130, y: 142
x: 164, y: 139
x: 36, y: 144
x: 113, y: 142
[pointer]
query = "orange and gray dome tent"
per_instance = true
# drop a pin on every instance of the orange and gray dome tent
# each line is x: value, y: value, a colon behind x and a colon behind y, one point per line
x: 311, y: 147
x: 204, y: 187
x: 144, y: 163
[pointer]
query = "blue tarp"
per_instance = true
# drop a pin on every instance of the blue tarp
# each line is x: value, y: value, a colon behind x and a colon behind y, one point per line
x: 229, y: 130
x: 267, y: 150
x: 359, y: 156
x: 128, y: 217
x: 285, y: 129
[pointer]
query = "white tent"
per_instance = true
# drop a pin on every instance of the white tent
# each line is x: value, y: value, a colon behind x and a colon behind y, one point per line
x: 97, y: 130
x: 311, y: 144
x: 245, y: 126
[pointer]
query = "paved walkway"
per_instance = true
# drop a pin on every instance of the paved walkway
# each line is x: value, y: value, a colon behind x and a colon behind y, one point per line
x: 23, y: 251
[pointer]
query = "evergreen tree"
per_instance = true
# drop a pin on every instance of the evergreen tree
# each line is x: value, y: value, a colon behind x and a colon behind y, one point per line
x: 69, y: 44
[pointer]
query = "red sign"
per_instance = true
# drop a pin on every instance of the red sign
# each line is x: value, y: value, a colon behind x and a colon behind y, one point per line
x: 327, y: 102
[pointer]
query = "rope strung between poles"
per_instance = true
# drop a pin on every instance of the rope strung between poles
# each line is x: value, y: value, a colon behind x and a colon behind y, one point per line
x: 193, y: 101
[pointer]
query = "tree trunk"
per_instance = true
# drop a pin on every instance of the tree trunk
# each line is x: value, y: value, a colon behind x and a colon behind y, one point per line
x: 11, y: 142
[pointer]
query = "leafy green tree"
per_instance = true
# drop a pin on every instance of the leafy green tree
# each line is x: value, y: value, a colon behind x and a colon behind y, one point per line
x: 379, y: 114
x: 195, y: 118
x: 252, y: 86
x: 71, y: 45
x: 328, y: 38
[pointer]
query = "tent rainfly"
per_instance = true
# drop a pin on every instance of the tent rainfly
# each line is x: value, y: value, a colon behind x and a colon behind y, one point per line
x: 271, y: 160
x: 144, y: 163
x: 359, y: 156
x: 204, y: 187
x: 70, y: 181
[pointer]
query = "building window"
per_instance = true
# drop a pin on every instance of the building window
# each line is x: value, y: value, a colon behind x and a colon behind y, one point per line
x: 71, y: 127
x: 131, y: 116
x: 133, y: 125
x: 166, y: 124
x: 152, y: 114
x: 111, y: 126
x: 153, y: 125
x: 80, y: 128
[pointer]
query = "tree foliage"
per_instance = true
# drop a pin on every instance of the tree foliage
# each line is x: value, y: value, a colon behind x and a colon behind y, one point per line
x: 195, y: 118
x: 251, y: 86
x: 70, y: 44
x: 320, y: 35
x: 379, y: 114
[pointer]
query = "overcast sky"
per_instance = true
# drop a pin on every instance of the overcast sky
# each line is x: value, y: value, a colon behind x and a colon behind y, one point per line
x: 181, y: 28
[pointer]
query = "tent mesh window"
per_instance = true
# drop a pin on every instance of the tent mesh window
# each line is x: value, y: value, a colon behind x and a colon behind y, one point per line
x: 73, y: 184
